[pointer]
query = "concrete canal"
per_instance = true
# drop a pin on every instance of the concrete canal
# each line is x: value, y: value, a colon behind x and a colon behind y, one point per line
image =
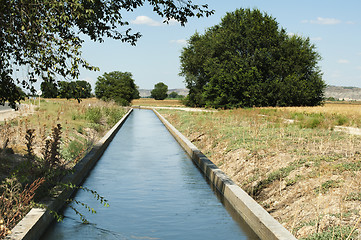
x: 154, y: 192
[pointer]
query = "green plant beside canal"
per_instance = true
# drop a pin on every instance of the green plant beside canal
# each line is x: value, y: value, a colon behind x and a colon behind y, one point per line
x: 37, y: 150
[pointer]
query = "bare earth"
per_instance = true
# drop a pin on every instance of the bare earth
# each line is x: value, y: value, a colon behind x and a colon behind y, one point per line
x: 24, y: 110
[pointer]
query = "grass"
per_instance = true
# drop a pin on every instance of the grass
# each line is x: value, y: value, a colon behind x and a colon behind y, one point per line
x: 287, y: 158
x: 157, y: 103
x: 28, y: 149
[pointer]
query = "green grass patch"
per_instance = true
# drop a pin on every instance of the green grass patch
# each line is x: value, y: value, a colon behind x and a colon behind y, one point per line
x: 337, y: 232
x: 326, y: 186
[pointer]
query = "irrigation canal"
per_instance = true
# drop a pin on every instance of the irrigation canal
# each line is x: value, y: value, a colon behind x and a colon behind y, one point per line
x: 154, y: 192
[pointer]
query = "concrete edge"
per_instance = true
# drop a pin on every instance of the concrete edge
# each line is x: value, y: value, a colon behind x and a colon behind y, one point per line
x: 261, y: 222
x: 34, y: 224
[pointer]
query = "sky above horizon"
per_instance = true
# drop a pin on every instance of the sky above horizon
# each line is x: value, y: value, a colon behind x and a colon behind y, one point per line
x: 332, y: 26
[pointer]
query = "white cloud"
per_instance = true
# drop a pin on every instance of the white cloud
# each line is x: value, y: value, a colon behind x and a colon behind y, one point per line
x: 180, y: 41
x: 323, y: 21
x: 316, y: 39
x: 173, y: 22
x: 144, y: 20
x: 343, y: 61
x: 290, y: 34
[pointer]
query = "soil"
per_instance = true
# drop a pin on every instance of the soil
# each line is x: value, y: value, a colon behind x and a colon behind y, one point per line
x: 24, y: 110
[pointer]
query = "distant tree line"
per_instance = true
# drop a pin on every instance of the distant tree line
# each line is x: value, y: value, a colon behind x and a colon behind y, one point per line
x: 73, y: 89
x: 248, y: 60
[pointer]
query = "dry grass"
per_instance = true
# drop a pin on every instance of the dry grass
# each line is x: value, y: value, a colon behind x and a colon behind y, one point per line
x: 304, y: 173
x: 351, y: 111
x: 24, y: 138
x: 75, y: 118
x: 157, y: 103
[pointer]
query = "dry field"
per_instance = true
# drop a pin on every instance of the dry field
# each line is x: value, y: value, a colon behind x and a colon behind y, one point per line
x: 291, y: 160
x: 82, y: 123
x: 157, y: 103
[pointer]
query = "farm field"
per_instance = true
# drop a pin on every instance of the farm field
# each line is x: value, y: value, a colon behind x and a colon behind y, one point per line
x: 157, y: 103
x: 293, y: 161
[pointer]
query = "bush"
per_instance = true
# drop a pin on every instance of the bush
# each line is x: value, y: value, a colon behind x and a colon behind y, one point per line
x: 94, y: 114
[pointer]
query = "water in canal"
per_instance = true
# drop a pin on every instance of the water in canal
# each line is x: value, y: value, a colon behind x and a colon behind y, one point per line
x: 154, y: 192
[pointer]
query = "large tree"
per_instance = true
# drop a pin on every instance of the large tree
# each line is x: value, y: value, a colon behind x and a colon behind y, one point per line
x: 248, y: 60
x: 74, y: 89
x: 49, y: 89
x: 160, y: 91
x: 116, y: 86
x: 44, y: 37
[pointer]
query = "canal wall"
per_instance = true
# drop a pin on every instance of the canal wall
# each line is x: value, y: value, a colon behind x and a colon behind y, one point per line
x: 34, y: 224
x: 262, y: 223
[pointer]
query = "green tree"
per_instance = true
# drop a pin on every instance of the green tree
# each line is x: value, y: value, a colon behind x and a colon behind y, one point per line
x: 44, y: 37
x: 248, y: 60
x: 65, y: 90
x: 160, y: 91
x: 49, y: 89
x: 117, y: 86
x: 83, y: 88
x: 173, y: 95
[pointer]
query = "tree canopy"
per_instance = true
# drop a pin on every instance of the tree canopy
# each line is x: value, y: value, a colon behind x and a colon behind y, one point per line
x: 74, y: 89
x: 116, y: 86
x: 44, y: 38
x: 160, y: 91
x: 248, y: 60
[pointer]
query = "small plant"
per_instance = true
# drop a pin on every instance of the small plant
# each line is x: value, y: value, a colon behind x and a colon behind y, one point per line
x: 94, y: 114
x: 51, y: 152
x: 80, y: 129
x: 341, y: 120
x: 325, y: 187
x: 353, y: 197
x: 15, y: 202
x: 29, y: 137
x: 95, y: 194
x: 336, y: 232
x: 74, y: 150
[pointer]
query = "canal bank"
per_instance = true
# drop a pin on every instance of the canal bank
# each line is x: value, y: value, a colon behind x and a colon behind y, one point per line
x: 154, y: 191
x: 33, y: 225
x: 261, y: 222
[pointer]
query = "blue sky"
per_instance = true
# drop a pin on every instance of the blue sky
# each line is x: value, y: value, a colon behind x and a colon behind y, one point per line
x: 333, y: 26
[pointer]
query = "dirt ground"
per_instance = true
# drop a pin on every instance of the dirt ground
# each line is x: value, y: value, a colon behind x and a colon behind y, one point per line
x: 24, y: 110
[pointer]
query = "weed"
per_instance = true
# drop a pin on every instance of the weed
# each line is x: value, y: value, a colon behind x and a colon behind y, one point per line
x: 293, y: 181
x: 94, y: 115
x: 341, y: 120
x: 114, y: 115
x: 73, y: 151
x: 276, y: 175
x: 15, y: 202
x: 29, y: 137
x: 348, y: 166
x: 80, y: 129
x: 336, y: 232
x: 325, y: 187
x: 51, y: 149
x: 353, y: 196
